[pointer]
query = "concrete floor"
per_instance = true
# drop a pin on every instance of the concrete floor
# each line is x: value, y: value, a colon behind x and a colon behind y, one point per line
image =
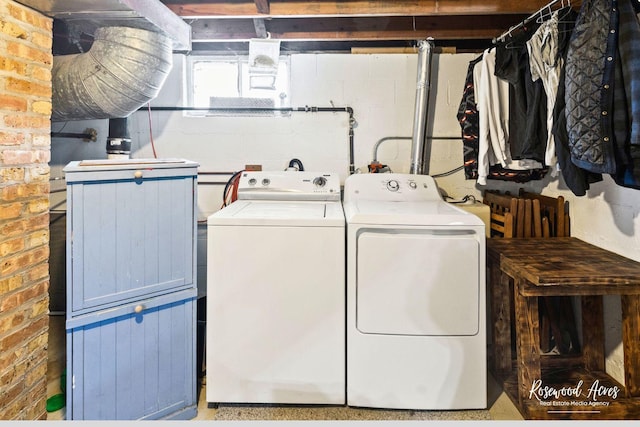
x: 500, y: 406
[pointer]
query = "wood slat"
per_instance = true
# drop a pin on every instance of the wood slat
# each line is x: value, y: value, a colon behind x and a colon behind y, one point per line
x: 537, y: 220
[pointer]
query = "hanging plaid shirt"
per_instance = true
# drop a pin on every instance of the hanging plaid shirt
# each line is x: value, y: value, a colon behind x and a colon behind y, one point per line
x: 627, y: 102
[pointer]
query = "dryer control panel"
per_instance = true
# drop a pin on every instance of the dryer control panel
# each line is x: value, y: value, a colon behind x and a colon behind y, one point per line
x: 391, y: 187
x: 289, y: 185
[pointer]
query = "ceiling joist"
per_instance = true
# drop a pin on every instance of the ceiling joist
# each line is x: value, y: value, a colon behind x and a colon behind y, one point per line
x: 262, y: 6
x: 349, y: 8
x: 392, y: 28
x: 371, y: 21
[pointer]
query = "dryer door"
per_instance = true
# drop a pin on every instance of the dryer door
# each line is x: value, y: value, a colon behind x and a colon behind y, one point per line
x: 418, y: 282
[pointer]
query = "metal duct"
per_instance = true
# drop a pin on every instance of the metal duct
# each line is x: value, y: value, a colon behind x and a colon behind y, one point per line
x: 124, y: 69
x: 425, y: 54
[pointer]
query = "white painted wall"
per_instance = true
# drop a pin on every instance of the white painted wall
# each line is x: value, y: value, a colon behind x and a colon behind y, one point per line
x: 381, y: 90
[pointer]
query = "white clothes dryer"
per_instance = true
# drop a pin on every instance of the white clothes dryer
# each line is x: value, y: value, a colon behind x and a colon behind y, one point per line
x: 276, y: 292
x: 416, y: 323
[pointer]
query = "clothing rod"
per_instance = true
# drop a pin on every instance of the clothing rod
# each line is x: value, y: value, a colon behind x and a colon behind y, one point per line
x: 525, y: 22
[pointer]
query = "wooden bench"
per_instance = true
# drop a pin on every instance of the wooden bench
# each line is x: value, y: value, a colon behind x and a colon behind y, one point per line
x: 563, y: 266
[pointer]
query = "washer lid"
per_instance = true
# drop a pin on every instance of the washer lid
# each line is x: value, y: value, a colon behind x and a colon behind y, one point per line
x: 280, y: 213
x: 434, y: 212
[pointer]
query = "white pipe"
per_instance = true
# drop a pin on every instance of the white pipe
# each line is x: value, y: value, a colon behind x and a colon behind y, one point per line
x: 124, y: 69
x: 425, y: 54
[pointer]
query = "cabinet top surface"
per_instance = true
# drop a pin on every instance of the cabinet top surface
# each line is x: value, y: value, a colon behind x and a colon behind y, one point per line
x: 126, y: 164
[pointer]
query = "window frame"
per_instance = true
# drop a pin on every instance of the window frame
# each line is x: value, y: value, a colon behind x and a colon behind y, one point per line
x: 242, y: 67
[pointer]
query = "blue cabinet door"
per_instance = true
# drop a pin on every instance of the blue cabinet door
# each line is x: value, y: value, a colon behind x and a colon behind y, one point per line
x: 133, y: 365
x: 131, y: 289
x: 129, y: 238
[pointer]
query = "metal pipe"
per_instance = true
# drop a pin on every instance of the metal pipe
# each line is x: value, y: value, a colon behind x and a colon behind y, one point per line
x: 305, y: 109
x: 118, y: 140
x: 423, y: 86
x: 215, y: 173
x: 408, y: 138
x: 386, y: 138
x: 88, y: 135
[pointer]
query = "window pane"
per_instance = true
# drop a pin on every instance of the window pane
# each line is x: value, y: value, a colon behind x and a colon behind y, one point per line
x: 214, y: 78
x: 261, y: 83
x: 225, y: 82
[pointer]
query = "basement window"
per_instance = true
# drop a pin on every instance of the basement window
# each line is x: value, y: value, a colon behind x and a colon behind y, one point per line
x: 227, y: 87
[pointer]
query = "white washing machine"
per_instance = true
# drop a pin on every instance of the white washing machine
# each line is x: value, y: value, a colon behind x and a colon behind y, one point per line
x: 416, y: 325
x: 276, y: 292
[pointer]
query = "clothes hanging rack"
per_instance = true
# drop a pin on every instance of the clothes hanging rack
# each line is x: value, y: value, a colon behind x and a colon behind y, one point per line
x: 525, y: 22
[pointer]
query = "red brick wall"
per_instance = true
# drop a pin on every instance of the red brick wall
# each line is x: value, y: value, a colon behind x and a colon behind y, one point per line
x: 25, y: 110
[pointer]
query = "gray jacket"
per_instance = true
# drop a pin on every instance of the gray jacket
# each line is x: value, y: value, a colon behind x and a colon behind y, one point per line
x: 589, y: 85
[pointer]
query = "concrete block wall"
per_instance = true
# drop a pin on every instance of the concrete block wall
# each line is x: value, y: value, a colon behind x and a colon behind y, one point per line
x: 381, y: 90
x: 25, y: 110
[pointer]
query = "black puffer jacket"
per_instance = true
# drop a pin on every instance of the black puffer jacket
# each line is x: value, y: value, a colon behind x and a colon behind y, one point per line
x: 589, y: 85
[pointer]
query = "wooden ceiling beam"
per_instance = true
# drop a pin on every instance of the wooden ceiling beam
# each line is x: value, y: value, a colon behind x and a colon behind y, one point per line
x: 348, y: 8
x: 262, y: 6
x: 359, y: 29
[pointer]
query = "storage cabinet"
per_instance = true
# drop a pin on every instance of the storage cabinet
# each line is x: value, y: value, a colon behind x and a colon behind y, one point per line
x: 131, y: 289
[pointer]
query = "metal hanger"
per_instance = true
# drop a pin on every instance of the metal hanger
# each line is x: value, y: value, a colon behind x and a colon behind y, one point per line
x: 544, y: 14
x: 533, y: 16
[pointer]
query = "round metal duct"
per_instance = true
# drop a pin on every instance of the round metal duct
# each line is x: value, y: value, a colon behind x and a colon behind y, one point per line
x: 124, y: 69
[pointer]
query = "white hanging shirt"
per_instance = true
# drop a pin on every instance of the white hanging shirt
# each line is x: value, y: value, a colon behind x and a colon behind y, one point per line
x: 492, y: 102
x: 547, y: 66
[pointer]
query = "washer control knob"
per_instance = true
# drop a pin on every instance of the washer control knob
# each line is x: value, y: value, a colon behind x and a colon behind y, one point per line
x: 413, y: 185
x: 252, y: 181
x: 266, y: 182
x: 393, y: 185
x: 320, y: 181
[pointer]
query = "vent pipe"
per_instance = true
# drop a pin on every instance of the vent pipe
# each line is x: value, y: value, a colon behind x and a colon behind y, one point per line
x: 118, y: 141
x: 425, y: 54
x: 124, y: 69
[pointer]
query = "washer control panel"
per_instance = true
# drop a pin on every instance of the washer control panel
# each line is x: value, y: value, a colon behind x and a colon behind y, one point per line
x: 391, y: 187
x: 289, y: 185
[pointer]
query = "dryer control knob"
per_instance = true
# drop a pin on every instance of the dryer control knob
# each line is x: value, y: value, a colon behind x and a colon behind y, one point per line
x: 266, y: 182
x: 413, y: 185
x: 393, y: 185
x: 252, y: 181
x: 320, y: 181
